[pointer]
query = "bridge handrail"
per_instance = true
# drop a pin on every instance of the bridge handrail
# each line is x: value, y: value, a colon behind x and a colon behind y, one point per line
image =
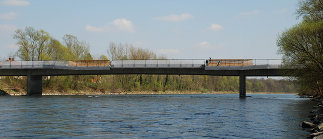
x: 159, y: 63
x: 150, y: 63
x: 43, y: 64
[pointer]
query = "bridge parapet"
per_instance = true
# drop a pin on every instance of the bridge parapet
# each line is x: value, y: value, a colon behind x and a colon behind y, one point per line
x: 159, y: 63
x: 214, y: 64
x: 50, y: 65
x: 243, y: 64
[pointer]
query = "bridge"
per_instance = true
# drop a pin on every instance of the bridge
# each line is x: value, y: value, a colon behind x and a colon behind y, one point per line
x: 34, y: 70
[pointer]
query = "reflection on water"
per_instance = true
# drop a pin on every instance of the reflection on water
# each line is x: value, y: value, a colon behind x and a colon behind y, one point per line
x: 154, y: 116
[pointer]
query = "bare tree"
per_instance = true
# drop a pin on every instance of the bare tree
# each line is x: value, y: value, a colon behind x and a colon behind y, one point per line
x: 125, y: 51
x: 140, y: 53
x: 117, y: 52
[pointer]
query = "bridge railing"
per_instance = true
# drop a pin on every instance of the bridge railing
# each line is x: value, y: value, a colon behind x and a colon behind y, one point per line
x: 159, y: 63
x: 47, y: 65
x: 243, y: 64
x: 30, y: 64
x: 267, y: 62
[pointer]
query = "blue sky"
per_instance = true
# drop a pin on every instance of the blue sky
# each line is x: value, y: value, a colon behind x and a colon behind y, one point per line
x: 173, y: 28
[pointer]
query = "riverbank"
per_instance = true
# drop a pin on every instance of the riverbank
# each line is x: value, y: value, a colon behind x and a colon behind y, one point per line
x: 72, y: 92
x: 315, y: 126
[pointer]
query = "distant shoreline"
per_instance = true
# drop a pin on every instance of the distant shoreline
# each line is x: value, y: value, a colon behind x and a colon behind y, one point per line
x: 49, y: 93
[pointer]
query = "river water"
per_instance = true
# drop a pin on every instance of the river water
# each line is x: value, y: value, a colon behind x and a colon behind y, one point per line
x: 154, y: 116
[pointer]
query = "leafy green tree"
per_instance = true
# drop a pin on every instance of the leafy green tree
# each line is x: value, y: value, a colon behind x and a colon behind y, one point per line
x: 56, y: 51
x: 311, y: 10
x: 32, y: 44
x: 80, y: 49
x: 302, y: 48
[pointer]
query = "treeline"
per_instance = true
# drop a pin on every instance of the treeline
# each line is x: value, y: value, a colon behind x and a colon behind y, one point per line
x: 160, y: 83
x: 39, y: 45
x: 302, y: 48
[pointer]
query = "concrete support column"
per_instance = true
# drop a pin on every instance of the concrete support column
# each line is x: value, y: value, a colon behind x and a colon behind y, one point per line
x: 242, y: 87
x: 34, y: 85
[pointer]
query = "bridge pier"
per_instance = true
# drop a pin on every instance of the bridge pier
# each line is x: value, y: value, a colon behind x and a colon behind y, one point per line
x: 242, y: 86
x: 34, y: 85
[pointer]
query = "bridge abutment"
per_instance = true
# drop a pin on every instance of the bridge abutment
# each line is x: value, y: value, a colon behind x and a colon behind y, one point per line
x: 242, y: 86
x: 34, y: 85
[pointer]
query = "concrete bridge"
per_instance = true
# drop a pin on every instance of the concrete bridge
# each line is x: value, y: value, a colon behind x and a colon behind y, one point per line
x: 34, y: 70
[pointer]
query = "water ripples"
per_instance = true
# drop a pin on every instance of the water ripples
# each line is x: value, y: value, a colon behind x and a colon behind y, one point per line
x: 154, y: 116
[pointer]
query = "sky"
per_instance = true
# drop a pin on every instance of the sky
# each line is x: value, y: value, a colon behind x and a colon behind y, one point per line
x: 178, y: 29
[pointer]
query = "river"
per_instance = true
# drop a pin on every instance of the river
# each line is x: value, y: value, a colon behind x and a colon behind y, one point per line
x: 154, y: 116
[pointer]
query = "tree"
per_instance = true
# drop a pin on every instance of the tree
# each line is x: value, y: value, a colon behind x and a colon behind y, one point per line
x: 32, y: 44
x: 311, y: 10
x: 303, y: 45
x: 117, y: 52
x: 302, y: 48
x: 79, y: 48
x: 103, y: 57
x: 56, y: 51
x: 140, y: 54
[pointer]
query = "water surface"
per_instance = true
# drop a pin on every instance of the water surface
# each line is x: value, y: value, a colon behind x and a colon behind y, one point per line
x: 154, y: 116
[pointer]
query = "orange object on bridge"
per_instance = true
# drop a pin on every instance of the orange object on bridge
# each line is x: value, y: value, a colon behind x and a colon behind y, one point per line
x: 229, y: 62
x: 89, y: 63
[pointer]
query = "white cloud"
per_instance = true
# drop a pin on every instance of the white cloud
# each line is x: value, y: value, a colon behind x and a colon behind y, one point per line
x: 204, y: 45
x: 124, y: 25
x: 8, y: 16
x: 15, y: 2
x: 120, y: 24
x: 249, y: 13
x: 215, y: 27
x: 175, y: 18
x: 91, y: 28
x: 169, y: 51
x: 6, y: 27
